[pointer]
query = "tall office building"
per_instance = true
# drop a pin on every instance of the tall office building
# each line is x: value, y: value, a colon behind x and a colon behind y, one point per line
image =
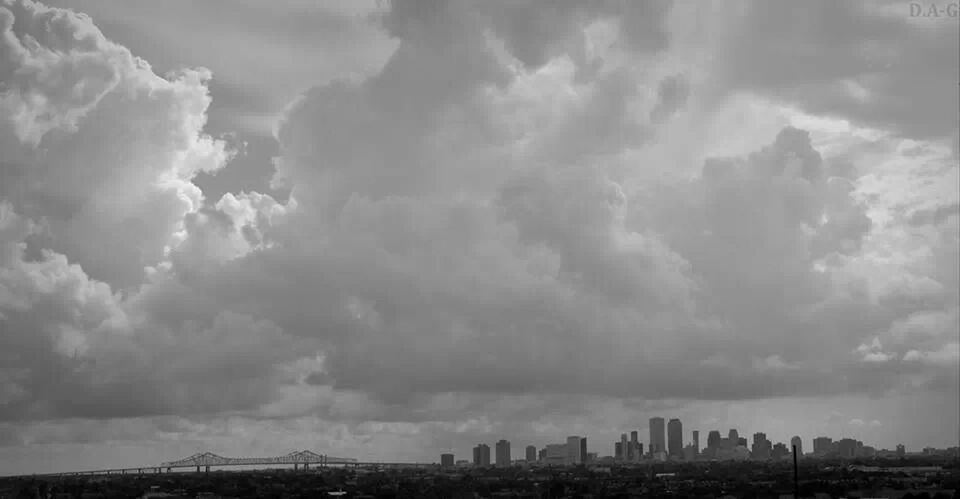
x: 446, y: 460
x: 573, y: 450
x: 696, y: 443
x: 798, y: 443
x: 481, y: 455
x: 656, y: 436
x: 713, y: 439
x: 675, y: 438
x: 639, y: 450
x: 733, y: 437
x: 584, y: 456
x: 624, y: 446
x: 503, y: 453
x: 821, y: 446
x: 633, y: 453
x: 761, y: 446
x: 531, y: 454
x: 618, y: 451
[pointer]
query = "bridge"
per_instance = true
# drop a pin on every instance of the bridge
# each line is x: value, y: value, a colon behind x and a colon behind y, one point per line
x: 299, y: 458
x: 203, y: 461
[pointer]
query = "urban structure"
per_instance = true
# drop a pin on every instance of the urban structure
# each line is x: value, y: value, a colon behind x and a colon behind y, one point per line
x: 481, y: 455
x: 503, y: 453
x: 667, y: 443
x: 675, y: 438
x: 656, y: 436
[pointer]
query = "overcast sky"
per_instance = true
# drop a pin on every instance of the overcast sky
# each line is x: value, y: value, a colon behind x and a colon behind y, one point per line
x: 387, y: 230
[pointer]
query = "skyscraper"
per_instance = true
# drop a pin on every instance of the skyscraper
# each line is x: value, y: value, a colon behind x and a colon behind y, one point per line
x: 696, y: 443
x: 761, y: 446
x: 624, y: 447
x: 503, y: 453
x: 446, y: 460
x: 675, y: 438
x: 713, y: 439
x: 821, y: 446
x: 481, y: 455
x: 531, y: 454
x: 733, y: 436
x: 573, y: 450
x: 584, y: 456
x: 798, y: 443
x: 634, y: 451
x: 618, y: 450
x: 656, y: 436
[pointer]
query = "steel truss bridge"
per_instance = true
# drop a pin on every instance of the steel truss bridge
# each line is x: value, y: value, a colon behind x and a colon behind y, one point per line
x: 205, y: 460
x: 299, y: 458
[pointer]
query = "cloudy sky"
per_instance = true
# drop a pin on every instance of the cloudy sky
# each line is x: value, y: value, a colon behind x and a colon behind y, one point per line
x: 387, y: 230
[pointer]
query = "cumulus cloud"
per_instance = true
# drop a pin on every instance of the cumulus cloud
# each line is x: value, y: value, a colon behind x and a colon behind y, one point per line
x: 468, y: 231
x: 869, y: 62
x: 95, y: 144
x: 99, y: 153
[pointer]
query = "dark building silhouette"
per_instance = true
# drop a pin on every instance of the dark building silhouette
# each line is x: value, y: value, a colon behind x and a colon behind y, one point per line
x: 575, y: 448
x: 713, y: 440
x: 618, y: 450
x: 656, y: 436
x: 847, y: 448
x: 446, y: 460
x: 503, y: 453
x: 531, y: 453
x: 584, y: 457
x: 761, y: 446
x: 675, y: 438
x: 481, y: 455
x: 696, y: 443
x: 822, y: 446
x: 798, y: 443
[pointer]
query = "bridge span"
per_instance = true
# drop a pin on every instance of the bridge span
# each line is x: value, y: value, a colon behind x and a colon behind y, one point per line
x: 204, y: 461
x: 299, y: 458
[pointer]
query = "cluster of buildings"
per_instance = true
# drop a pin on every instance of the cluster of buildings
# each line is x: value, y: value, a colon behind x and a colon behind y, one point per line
x: 573, y: 452
x: 666, y: 443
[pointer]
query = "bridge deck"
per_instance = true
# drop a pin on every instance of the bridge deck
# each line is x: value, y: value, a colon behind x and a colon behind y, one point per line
x: 218, y: 467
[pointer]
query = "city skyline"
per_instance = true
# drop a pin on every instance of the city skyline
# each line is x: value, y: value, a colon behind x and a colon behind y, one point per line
x: 390, y: 229
x: 759, y: 445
